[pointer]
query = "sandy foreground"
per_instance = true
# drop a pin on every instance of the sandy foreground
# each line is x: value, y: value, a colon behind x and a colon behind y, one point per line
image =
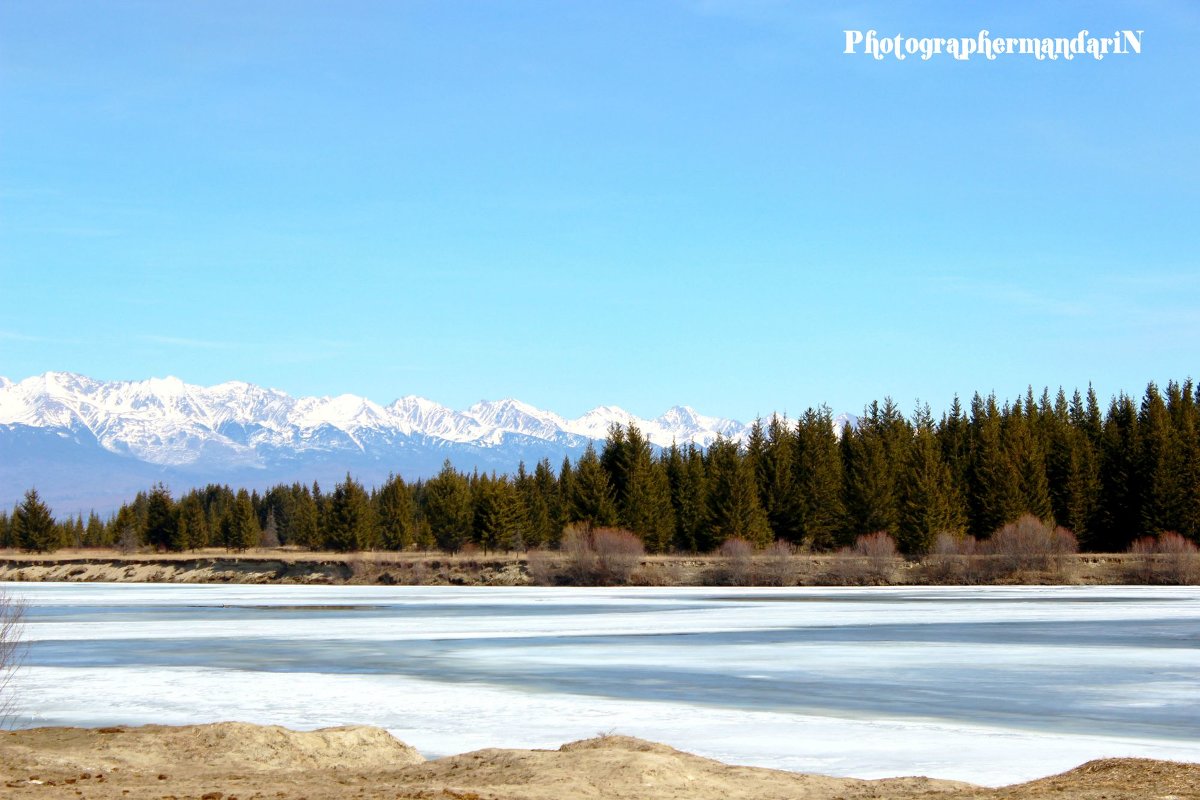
x: 232, y: 760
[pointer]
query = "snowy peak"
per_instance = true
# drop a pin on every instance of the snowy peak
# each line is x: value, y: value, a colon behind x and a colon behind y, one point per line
x: 167, y: 421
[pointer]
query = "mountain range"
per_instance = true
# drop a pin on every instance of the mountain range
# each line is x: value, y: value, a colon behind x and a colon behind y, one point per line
x: 89, y: 444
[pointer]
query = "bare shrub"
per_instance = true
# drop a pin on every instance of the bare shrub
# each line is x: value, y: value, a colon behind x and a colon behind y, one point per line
x: 579, y: 556
x: 879, y: 551
x: 618, y: 554
x: 543, y: 568
x: 945, y: 563
x: 418, y: 574
x: 11, y: 650
x: 1141, y: 567
x: 269, y: 537
x: 738, y: 567
x: 845, y: 568
x: 1030, y: 546
x: 872, y: 561
x: 603, y: 557
x: 781, y: 564
x: 127, y: 541
x: 1168, y: 559
x: 663, y: 573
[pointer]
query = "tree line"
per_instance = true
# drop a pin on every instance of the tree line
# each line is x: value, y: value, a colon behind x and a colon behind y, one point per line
x: 1110, y: 476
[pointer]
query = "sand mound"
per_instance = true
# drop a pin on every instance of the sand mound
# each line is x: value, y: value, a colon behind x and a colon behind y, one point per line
x: 221, y: 746
x: 1116, y: 778
x: 236, y: 760
x: 620, y: 767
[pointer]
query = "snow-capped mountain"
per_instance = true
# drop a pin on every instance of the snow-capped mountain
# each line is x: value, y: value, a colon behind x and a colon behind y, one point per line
x: 86, y: 443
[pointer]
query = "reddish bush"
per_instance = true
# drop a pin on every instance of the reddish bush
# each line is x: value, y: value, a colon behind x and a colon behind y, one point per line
x: 618, y: 554
x: 738, y: 569
x: 781, y: 564
x: 1168, y: 559
x: 872, y: 560
x: 1029, y: 545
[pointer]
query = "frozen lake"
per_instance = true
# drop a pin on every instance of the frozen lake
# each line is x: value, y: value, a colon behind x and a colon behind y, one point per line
x: 991, y: 685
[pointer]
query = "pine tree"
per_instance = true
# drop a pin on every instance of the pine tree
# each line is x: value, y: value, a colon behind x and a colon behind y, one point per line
x: 929, y: 501
x: 819, y: 479
x: 734, y: 510
x: 1025, y: 452
x: 954, y: 436
x: 994, y: 486
x: 591, y: 493
x: 776, y: 473
x: 644, y: 507
x: 615, y: 459
x: 93, y: 535
x: 244, y: 531
x: 1182, y: 405
x: 193, y: 525
x: 497, y: 517
x: 303, y: 528
x: 870, y: 482
x: 394, y: 514
x: 162, y: 529
x: 544, y: 494
x: 350, y: 524
x: 1160, y: 467
x: 686, y: 482
x: 33, y: 526
x: 1082, y: 492
x: 447, y: 508
x: 1120, y: 482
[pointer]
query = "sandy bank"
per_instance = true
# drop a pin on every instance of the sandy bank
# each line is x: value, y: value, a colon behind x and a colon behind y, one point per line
x: 237, y: 760
x: 501, y: 569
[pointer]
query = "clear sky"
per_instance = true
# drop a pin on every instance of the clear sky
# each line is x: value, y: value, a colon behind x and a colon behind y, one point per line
x: 576, y: 203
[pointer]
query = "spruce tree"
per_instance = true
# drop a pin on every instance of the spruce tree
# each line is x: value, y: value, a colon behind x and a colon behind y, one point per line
x: 929, y: 501
x: 1185, y: 419
x: 819, y: 479
x: 544, y: 494
x: 394, y: 514
x: 93, y: 535
x: 1082, y: 501
x: 1120, y: 481
x: 496, y: 521
x: 686, y: 482
x: 645, y: 506
x: 994, y: 485
x: 1025, y: 452
x: 244, y: 531
x: 591, y: 493
x: 734, y: 510
x: 953, y: 436
x: 870, y: 482
x: 193, y: 525
x: 304, y: 526
x: 566, y: 494
x: 1160, y: 467
x: 776, y: 473
x: 162, y: 528
x: 33, y: 525
x: 350, y: 521
x: 447, y: 508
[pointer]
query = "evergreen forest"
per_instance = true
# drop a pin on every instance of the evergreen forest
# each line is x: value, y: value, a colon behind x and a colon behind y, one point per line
x: 1110, y: 475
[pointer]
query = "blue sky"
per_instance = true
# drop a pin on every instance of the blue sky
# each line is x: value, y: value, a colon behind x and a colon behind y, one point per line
x: 632, y: 203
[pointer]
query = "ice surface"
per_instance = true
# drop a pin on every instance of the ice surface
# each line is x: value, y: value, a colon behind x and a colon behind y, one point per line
x: 991, y: 685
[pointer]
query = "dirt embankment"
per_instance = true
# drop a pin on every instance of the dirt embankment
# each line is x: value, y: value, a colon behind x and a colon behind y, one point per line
x: 508, y: 569
x: 236, y: 760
